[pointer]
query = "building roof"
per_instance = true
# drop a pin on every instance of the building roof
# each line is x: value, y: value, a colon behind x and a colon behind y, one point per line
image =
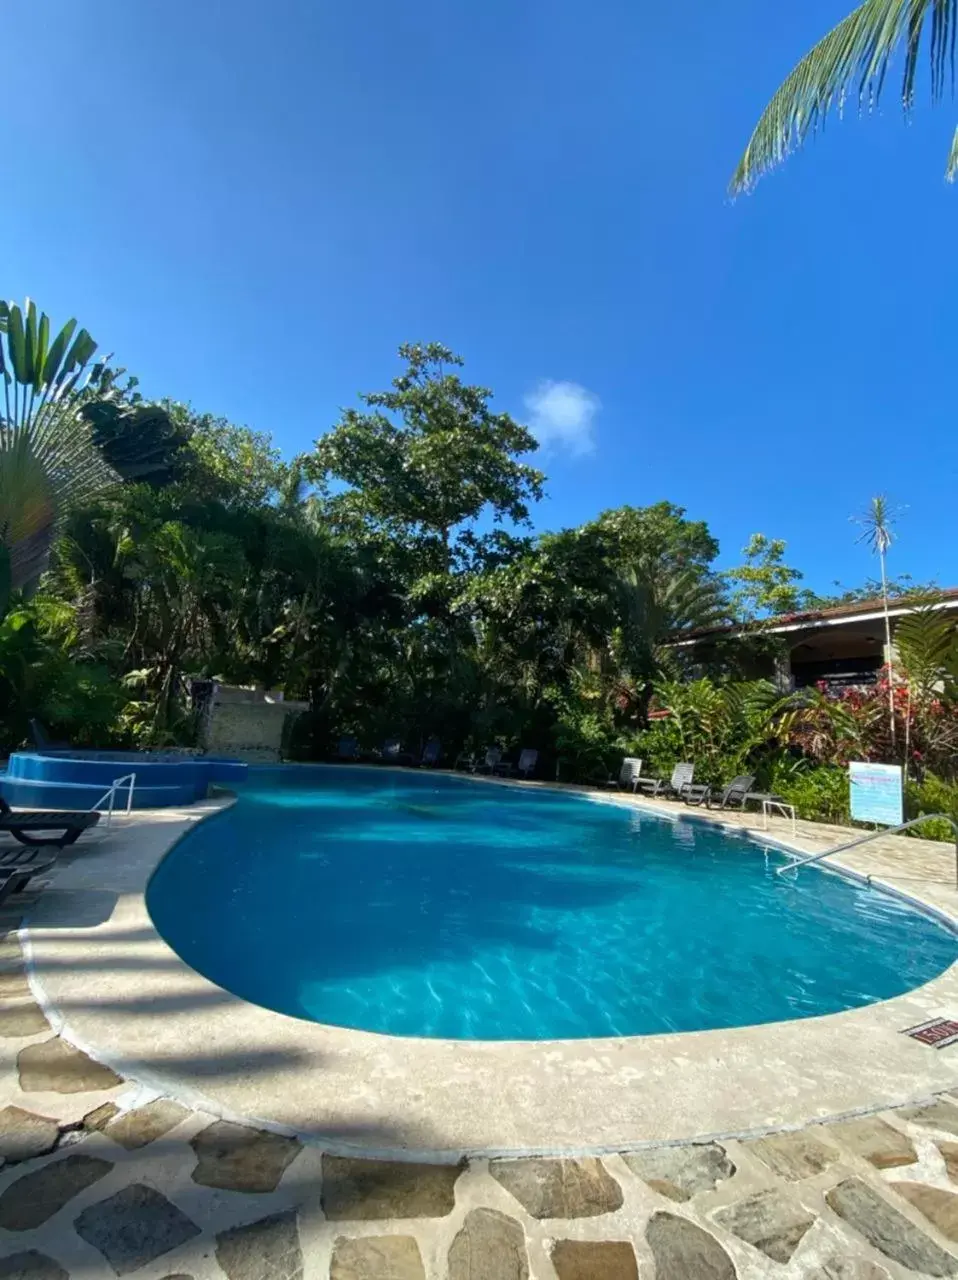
x: 856, y: 611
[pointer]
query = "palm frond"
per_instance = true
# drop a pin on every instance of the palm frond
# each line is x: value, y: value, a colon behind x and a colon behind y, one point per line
x: 951, y: 170
x: 927, y: 647
x: 852, y: 60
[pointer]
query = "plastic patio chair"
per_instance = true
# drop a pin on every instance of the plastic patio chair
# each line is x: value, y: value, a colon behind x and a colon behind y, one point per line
x: 680, y: 780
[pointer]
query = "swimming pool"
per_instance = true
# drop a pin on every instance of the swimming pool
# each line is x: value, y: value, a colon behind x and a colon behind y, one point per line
x: 426, y: 905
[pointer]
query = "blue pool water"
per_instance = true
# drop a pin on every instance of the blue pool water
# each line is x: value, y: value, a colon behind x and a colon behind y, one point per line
x: 424, y: 905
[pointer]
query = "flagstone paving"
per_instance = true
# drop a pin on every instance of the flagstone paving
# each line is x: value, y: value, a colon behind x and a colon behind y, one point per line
x: 101, y: 1177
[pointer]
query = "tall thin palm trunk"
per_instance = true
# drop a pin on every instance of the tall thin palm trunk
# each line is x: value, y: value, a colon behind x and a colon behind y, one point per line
x: 876, y: 523
x: 889, y: 652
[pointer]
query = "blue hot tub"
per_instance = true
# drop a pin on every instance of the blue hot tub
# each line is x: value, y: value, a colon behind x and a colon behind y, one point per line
x: 77, y: 779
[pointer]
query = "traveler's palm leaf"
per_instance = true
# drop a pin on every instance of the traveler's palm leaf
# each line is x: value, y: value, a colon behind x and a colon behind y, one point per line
x: 48, y: 460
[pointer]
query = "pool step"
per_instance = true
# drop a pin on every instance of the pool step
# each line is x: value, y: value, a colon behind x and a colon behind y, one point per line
x: 34, y: 793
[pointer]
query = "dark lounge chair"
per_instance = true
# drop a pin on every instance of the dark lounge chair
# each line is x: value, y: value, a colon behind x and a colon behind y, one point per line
x: 490, y: 761
x: 736, y: 793
x: 431, y: 753
x: 524, y: 767
x: 35, y: 826
x: 19, y: 866
x: 348, y: 748
x: 487, y: 764
x: 392, y: 753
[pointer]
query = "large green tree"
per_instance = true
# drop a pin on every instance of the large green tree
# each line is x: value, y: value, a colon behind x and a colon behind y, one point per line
x: 852, y: 62
x: 764, y: 586
x: 430, y: 457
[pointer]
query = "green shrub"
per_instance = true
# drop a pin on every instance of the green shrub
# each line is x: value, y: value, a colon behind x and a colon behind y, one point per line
x: 932, y: 795
x: 585, y: 742
x: 819, y: 794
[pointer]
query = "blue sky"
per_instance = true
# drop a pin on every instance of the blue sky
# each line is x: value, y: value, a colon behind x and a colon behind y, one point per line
x: 253, y: 205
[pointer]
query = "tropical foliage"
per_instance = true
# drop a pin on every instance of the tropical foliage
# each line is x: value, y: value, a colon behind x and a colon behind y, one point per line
x: 390, y: 580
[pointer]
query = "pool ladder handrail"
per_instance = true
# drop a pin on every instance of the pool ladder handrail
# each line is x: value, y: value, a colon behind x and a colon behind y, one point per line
x: 109, y: 798
x: 874, y: 835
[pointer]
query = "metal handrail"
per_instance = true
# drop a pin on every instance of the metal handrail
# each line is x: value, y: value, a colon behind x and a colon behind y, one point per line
x: 109, y: 797
x: 875, y: 835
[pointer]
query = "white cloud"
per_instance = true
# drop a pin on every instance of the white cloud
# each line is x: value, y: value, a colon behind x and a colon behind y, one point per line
x: 561, y: 416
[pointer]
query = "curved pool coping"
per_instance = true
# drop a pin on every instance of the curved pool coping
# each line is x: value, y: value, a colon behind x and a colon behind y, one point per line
x: 110, y: 984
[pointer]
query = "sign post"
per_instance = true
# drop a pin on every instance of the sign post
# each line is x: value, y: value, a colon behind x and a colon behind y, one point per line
x: 876, y: 793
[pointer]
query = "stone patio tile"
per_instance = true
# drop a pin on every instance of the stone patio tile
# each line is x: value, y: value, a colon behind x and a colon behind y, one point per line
x: 887, y: 1230
x: 874, y: 1140
x: 559, y: 1188
x: 594, y: 1260
x: 376, y: 1258
x: 31, y: 1266
x: 838, y: 1268
x: 939, y: 1207
x: 137, y: 1128
x: 363, y: 1190
x: 268, y: 1249
x: 793, y: 1155
x: 949, y: 1153
x: 25, y: 1135
x: 37, y: 1196
x: 489, y: 1246
x: 21, y: 1018
x: 681, y: 1172
x: 14, y: 984
x: 770, y: 1221
x: 941, y: 1114
x: 54, y: 1066
x: 683, y: 1251
x: 134, y: 1227
x: 234, y: 1157
x: 99, y: 1117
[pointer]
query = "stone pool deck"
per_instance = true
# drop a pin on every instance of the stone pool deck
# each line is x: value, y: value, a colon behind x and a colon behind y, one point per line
x: 133, y: 1159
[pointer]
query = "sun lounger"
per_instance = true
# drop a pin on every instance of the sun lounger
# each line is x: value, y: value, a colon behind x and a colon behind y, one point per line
x: 677, y: 785
x: 19, y: 866
x: 348, y: 748
x: 626, y: 779
x: 392, y: 753
x: 35, y: 826
x: 431, y: 753
x: 487, y: 764
x: 736, y: 793
x: 524, y: 767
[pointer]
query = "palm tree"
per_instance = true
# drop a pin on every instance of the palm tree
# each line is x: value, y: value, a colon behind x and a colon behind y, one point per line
x: 48, y: 458
x: 853, y: 59
x: 876, y: 523
x: 652, y: 609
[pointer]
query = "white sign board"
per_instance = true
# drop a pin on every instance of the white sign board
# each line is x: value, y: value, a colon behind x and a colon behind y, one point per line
x: 876, y: 793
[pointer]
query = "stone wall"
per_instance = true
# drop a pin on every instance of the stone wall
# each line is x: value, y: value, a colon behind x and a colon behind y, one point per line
x: 246, y: 723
